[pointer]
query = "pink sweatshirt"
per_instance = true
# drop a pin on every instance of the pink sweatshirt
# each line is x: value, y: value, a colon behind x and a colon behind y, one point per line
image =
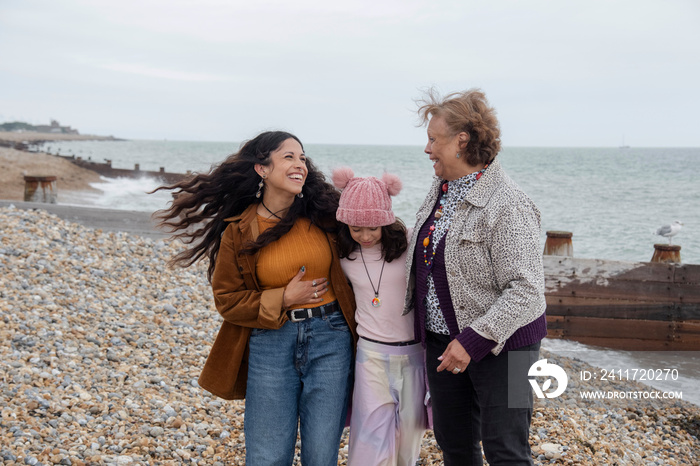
x: 384, y: 323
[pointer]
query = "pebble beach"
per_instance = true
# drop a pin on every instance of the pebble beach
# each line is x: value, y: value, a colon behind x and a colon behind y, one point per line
x: 102, y: 344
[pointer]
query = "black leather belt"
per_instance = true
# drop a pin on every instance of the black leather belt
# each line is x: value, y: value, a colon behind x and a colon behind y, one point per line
x: 391, y: 343
x: 297, y: 315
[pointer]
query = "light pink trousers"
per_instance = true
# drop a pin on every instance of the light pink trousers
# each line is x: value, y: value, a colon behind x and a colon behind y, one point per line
x: 388, y: 412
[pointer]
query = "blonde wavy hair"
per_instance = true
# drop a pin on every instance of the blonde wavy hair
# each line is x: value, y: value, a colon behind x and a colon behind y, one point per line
x: 468, y: 112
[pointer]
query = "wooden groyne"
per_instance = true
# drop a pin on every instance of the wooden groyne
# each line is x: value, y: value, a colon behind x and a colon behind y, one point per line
x: 33, y: 142
x: 624, y: 305
x: 633, y: 306
x: 106, y: 169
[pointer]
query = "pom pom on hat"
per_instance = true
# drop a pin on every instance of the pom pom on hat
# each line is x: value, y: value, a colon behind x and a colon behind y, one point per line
x: 341, y: 176
x: 365, y: 202
x: 393, y: 183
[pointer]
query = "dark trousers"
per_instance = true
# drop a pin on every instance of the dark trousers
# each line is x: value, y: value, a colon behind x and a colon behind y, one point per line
x: 472, y: 407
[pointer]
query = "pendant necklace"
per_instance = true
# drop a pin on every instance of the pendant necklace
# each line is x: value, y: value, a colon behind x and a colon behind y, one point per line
x: 376, y: 302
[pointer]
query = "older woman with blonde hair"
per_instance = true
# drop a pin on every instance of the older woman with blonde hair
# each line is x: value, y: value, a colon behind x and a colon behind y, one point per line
x: 476, y: 281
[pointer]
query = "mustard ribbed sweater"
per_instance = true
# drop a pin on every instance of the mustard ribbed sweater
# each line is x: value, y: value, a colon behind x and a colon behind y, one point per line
x: 304, y: 245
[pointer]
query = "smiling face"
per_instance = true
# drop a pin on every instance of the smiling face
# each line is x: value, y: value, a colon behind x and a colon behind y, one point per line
x: 443, y: 148
x: 286, y: 173
x: 366, y: 236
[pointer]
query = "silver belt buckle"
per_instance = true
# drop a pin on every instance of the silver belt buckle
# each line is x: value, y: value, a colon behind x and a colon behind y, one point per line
x: 293, y: 315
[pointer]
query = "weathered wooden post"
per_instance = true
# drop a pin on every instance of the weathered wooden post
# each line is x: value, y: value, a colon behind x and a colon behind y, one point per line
x: 559, y: 244
x: 40, y: 189
x: 666, y: 253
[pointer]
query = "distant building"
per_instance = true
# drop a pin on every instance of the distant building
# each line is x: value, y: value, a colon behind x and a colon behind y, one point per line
x: 55, y: 127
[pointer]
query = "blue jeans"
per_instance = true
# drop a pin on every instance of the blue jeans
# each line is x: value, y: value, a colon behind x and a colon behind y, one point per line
x: 300, y: 374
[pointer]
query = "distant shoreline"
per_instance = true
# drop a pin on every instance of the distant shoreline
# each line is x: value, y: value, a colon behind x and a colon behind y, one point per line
x: 12, y: 138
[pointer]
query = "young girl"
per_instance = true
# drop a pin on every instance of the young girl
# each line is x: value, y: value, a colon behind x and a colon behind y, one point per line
x: 388, y: 415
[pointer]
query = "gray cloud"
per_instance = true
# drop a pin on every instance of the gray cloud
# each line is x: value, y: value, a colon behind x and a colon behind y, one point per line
x: 576, y: 73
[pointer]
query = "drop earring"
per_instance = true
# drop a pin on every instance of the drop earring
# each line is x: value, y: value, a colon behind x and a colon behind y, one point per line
x: 457, y: 155
x: 300, y: 195
x: 260, y: 187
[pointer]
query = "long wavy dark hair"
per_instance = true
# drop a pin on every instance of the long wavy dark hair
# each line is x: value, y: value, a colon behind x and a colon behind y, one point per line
x: 202, y: 202
x: 393, y: 241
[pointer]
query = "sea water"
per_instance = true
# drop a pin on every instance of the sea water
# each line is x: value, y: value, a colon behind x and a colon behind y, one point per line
x: 611, y: 199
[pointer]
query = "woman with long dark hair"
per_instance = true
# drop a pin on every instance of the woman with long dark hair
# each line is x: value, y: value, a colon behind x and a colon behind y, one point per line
x: 265, y: 219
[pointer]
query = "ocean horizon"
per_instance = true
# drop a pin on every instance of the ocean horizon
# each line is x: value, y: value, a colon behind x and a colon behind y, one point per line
x: 611, y: 199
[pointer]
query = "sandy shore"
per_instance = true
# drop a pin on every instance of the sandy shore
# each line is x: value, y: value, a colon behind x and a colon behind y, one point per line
x: 102, y: 344
x: 15, y: 164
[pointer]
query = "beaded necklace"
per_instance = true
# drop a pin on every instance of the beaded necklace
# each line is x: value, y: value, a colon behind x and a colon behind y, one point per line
x: 438, y: 216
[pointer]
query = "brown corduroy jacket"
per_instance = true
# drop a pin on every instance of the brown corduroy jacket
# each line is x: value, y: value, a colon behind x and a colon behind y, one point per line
x: 243, y: 306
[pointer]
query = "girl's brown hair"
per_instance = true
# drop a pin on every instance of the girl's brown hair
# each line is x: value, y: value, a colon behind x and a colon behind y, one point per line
x: 393, y: 241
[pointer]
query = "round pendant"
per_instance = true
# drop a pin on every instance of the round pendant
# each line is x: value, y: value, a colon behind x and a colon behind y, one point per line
x: 376, y: 302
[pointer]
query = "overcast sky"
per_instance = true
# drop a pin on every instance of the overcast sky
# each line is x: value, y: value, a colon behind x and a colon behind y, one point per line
x: 560, y: 73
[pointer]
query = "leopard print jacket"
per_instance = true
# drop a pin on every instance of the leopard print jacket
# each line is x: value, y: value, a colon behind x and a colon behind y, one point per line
x: 492, y: 255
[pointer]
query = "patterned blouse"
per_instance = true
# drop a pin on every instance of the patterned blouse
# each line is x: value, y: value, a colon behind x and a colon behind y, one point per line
x: 456, y: 191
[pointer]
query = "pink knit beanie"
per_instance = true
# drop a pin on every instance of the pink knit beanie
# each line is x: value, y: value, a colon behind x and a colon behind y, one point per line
x: 365, y: 202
